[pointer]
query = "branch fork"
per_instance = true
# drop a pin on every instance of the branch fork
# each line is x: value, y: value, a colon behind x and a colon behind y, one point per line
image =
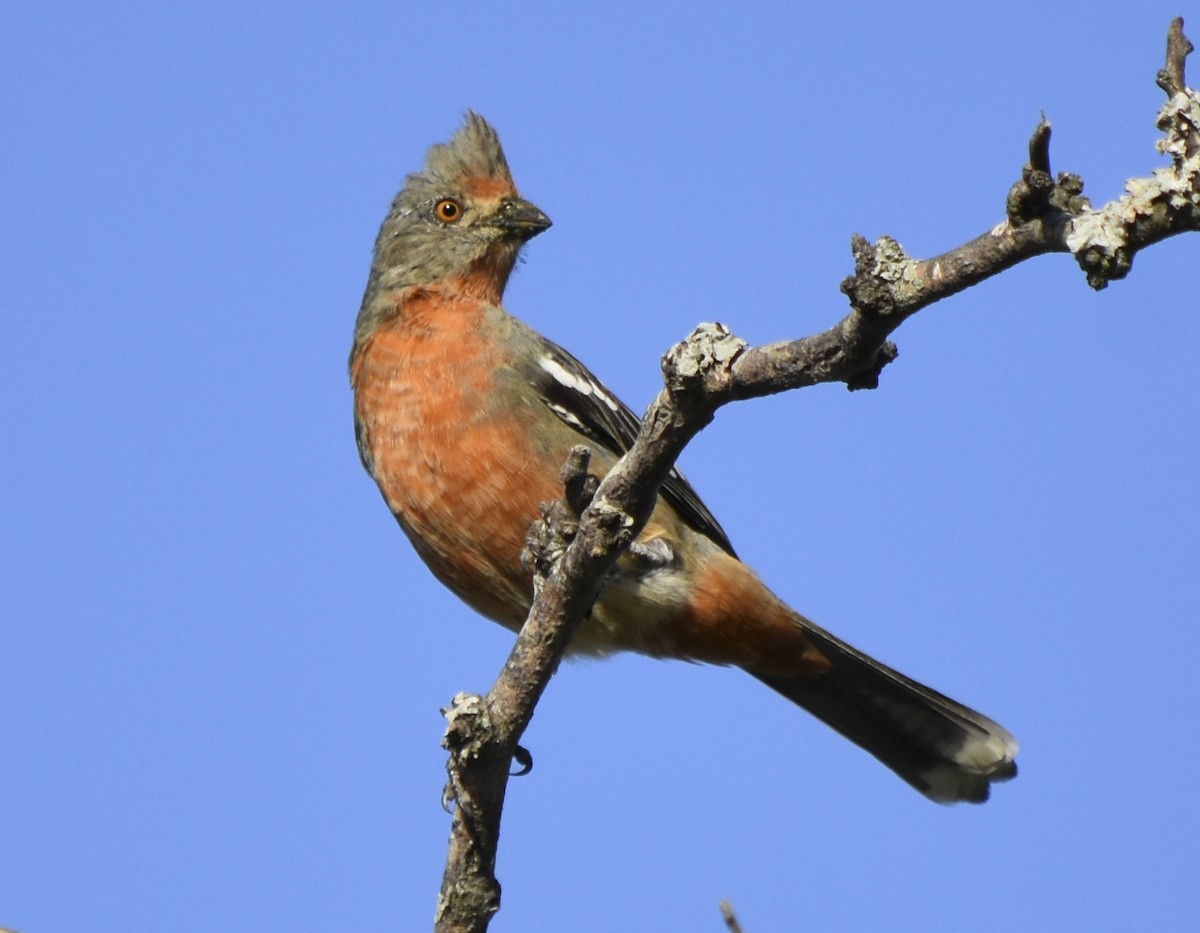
x: 578, y: 538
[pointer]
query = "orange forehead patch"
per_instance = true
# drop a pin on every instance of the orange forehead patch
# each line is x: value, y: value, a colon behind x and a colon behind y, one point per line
x: 484, y: 188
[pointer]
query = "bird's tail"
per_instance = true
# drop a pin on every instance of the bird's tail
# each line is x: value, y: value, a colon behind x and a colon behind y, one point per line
x: 948, y: 752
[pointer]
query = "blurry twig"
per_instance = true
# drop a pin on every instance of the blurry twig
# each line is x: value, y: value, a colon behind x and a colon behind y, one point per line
x: 730, y: 920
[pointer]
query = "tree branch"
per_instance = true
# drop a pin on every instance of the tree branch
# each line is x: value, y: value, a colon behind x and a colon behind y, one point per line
x: 730, y: 918
x: 579, y: 538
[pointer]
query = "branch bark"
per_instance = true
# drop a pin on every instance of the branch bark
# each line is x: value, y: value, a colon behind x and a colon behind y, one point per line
x: 730, y: 918
x: 578, y: 539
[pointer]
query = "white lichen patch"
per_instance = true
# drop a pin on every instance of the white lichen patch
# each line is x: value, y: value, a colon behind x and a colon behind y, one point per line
x: 1171, y: 189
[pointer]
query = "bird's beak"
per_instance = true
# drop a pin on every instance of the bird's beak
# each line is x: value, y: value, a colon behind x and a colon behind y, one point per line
x: 520, y: 218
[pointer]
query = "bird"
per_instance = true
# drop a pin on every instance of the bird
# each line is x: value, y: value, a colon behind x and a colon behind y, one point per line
x: 464, y: 416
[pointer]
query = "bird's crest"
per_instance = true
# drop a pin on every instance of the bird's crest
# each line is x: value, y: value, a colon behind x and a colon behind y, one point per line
x: 472, y: 154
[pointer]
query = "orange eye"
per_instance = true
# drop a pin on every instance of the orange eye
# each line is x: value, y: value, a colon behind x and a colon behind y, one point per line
x: 448, y: 209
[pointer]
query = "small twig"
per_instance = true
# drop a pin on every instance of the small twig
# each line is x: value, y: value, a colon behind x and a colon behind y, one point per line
x: 1171, y: 79
x: 730, y: 920
x: 1030, y: 197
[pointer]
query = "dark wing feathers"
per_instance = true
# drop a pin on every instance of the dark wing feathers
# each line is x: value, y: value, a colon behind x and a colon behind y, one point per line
x: 582, y: 401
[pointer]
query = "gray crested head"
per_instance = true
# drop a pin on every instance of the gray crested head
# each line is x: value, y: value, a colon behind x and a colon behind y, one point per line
x: 473, y: 151
x: 460, y: 217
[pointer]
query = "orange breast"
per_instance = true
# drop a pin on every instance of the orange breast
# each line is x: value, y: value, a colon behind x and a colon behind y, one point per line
x: 449, y: 444
x: 462, y: 479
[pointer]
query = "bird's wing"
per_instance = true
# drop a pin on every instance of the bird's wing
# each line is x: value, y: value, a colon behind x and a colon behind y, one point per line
x: 582, y: 401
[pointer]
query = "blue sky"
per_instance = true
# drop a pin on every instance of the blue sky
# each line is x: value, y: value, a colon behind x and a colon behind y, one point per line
x: 222, y: 663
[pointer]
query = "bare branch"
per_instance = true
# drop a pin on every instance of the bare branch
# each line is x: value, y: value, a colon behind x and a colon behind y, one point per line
x: 1171, y: 79
x: 579, y: 538
x: 731, y: 921
x: 482, y: 732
